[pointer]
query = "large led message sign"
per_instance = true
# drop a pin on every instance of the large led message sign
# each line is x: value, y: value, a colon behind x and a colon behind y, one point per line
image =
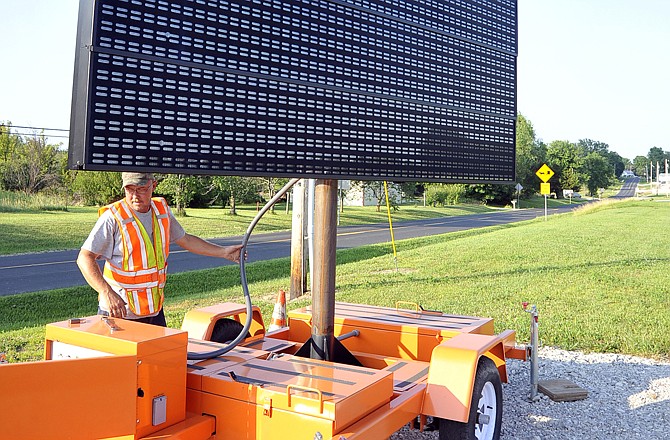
x: 355, y: 89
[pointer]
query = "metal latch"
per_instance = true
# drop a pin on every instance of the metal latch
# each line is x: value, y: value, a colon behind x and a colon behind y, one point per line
x: 267, y: 407
x: 111, y: 324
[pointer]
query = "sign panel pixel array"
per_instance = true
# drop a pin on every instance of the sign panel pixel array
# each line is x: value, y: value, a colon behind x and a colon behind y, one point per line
x: 353, y: 89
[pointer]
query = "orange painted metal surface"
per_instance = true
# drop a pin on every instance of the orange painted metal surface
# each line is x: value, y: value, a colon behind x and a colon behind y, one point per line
x: 324, y: 390
x: 406, y: 374
x: 452, y: 374
x: 275, y: 396
x: 200, y: 322
x: 195, y: 427
x: 255, y: 395
x: 158, y: 371
x: 199, y: 369
x: 272, y: 345
x: 129, y: 337
x: 408, y: 334
x: 74, y: 399
x: 388, y: 419
x: 511, y: 349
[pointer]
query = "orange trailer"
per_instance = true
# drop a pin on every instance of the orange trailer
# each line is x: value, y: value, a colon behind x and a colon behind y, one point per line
x: 414, y: 91
x: 118, y: 379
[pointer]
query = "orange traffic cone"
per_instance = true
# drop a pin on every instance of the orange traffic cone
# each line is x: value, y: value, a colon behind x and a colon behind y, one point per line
x: 279, y: 313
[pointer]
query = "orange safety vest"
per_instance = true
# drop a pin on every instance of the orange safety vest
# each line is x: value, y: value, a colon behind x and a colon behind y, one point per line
x: 144, y: 266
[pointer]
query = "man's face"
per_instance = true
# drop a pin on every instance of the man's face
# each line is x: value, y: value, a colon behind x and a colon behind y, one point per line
x: 139, y: 197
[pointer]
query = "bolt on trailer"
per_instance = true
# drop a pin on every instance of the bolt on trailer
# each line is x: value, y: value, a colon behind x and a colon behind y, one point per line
x: 321, y: 89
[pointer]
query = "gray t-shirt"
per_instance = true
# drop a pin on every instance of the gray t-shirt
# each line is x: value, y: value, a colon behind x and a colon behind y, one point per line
x: 105, y: 240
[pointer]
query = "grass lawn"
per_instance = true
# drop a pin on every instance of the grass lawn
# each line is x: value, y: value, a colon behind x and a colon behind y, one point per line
x: 599, y: 277
x: 35, y: 231
x: 538, y: 202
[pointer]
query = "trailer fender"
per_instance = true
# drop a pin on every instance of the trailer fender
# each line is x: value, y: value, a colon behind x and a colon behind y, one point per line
x: 452, y: 370
x: 199, y: 323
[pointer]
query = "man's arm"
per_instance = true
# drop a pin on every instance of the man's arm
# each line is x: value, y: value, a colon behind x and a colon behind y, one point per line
x: 199, y: 246
x: 89, y: 268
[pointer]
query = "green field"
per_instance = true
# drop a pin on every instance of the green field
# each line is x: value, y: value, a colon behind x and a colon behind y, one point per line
x: 34, y: 230
x: 599, y: 277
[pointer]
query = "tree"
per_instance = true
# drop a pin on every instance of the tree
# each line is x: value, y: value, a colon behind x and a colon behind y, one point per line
x: 98, y: 188
x: 491, y: 194
x: 617, y: 163
x: 66, y: 179
x: 597, y: 171
x: 270, y: 185
x: 181, y: 190
x: 590, y: 146
x: 443, y: 194
x: 657, y: 154
x: 32, y: 166
x: 234, y: 189
x: 409, y: 190
x: 530, y: 155
x: 641, y: 166
x: 564, y: 159
x: 9, y: 145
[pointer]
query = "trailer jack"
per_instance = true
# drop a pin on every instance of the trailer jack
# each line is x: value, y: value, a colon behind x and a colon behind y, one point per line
x: 532, y: 349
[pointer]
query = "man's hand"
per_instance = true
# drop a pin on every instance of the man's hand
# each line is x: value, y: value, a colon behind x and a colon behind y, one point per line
x: 117, y: 308
x: 232, y: 253
x: 199, y: 246
x: 91, y: 271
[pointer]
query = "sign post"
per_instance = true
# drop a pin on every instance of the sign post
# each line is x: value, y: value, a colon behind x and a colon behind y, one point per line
x: 518, y: 187
x: 545, y: 173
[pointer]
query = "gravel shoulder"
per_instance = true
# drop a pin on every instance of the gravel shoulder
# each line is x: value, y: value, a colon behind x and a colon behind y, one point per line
x: 628, y: 398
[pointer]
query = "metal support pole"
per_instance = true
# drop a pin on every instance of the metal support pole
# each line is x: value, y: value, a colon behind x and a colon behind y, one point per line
x: 533, y: 348
x: 323, y: 272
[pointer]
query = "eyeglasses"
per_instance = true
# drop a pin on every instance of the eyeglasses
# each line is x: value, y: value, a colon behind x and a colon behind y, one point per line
x: 139, y: 190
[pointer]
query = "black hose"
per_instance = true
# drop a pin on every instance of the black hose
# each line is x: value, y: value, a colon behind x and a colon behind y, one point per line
x: 243, y: 279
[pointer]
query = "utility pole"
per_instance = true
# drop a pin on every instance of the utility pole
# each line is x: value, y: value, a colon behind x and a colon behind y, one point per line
x: 298, y: 252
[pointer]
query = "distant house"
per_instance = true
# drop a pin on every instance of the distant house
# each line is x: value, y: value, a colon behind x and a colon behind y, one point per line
x: 355, y: 196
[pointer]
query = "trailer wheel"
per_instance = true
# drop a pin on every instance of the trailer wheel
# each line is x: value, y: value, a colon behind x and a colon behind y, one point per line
x: 485, y: 418
x: 226, y: 330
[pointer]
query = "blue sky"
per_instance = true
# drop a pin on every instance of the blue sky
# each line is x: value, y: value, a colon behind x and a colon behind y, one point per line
x: 597, y: 69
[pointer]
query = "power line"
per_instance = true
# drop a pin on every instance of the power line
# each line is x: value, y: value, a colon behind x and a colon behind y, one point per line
x: 38, y: 134
x: 36, y: 128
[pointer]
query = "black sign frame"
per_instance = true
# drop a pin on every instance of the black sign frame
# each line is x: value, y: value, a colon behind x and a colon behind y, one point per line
x: 336, y: 89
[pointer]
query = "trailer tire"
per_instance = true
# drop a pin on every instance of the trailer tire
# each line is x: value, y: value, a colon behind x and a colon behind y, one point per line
x: 487, y: 400
x: 226, y: 330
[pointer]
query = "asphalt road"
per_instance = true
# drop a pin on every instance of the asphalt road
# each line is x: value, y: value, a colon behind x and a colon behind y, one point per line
x: 54, y: 270
x: 628, y: 188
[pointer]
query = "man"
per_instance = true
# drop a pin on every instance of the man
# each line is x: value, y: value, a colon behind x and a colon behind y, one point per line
x: 133, y: 236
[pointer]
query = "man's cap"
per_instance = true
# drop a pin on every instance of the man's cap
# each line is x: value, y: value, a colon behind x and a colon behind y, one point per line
x: 137, y: 179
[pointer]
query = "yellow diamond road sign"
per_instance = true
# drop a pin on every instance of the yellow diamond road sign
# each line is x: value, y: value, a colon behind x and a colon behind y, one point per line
x: 544, y: 173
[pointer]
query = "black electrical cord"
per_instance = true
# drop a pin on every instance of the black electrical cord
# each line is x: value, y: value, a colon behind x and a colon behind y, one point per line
x: 243, y: 280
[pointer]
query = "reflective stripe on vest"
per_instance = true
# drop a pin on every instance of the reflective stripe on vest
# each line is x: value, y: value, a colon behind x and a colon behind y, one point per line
x: 143, y: 270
